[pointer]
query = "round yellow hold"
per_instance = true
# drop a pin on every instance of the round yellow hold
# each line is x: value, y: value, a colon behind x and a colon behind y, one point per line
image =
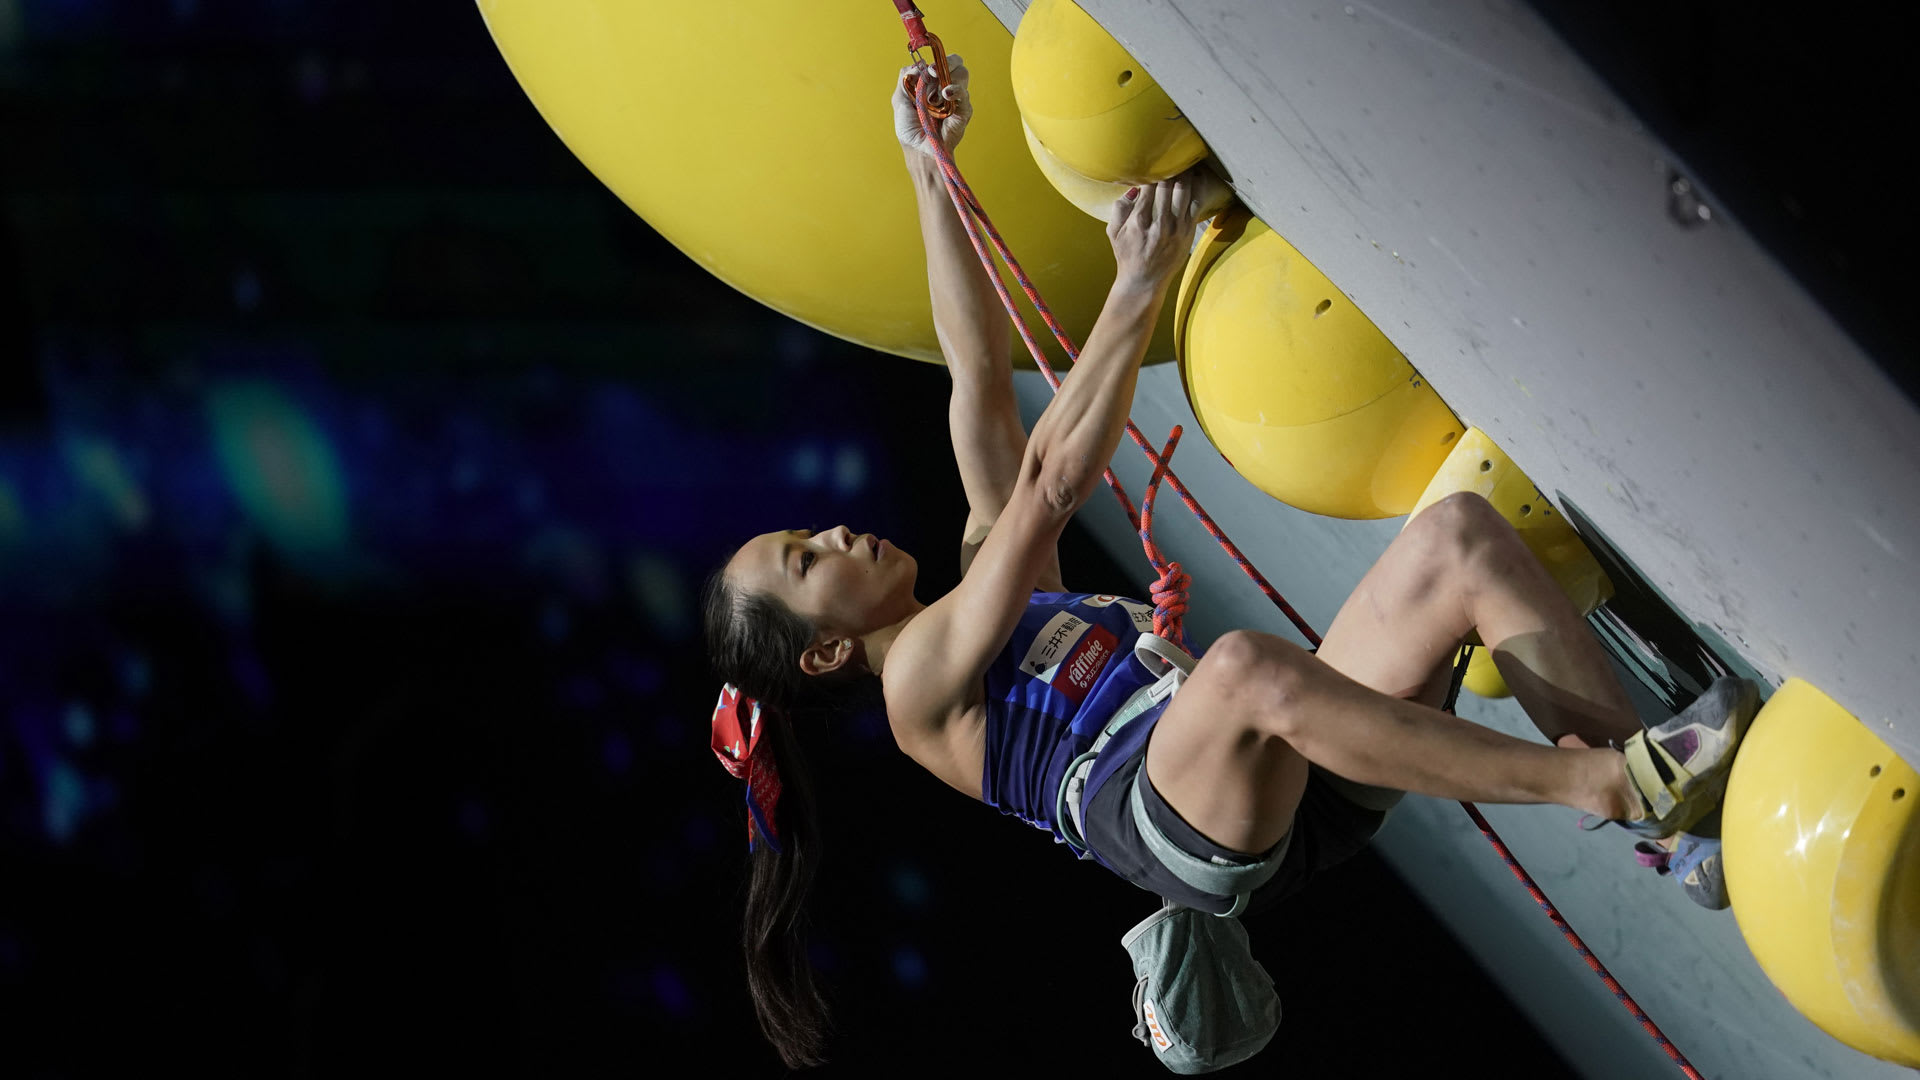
x: 1093, y: 197
x: 758, y: 139
x: 1476, y: 464
x: 1821, y: 843
x: 1295, y: 387
x: 1483, y: 676
x: 1092, y: 104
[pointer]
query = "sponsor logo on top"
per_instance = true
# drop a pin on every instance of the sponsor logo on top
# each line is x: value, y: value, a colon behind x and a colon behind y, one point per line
x: 1069, y: 653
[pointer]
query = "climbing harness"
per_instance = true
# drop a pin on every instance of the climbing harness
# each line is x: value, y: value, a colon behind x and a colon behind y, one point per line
x: 1170, y: 588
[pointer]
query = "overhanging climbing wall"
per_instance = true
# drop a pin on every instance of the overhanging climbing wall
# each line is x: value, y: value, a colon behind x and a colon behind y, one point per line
x: 1485, y: 199
x: 1469, y: 184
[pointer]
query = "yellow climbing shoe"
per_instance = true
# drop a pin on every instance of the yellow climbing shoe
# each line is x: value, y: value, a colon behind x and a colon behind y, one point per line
x: 1680, y: 768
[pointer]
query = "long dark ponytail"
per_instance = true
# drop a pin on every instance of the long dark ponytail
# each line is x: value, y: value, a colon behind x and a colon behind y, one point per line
x: 755, y: 642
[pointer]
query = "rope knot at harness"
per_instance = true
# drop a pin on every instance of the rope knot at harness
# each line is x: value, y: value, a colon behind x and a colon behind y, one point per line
x: 1169, y: 590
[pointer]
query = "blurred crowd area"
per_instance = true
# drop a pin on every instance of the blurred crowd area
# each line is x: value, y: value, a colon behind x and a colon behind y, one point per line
x: 361, y: 459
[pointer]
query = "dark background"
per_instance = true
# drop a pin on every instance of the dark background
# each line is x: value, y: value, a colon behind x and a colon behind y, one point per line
x: 360, y: 460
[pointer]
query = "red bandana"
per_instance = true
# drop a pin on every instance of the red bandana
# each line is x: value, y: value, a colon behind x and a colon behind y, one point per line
x: 736, y: 742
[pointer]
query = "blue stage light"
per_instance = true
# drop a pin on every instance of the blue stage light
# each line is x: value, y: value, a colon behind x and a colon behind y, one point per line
x: 909, y: 967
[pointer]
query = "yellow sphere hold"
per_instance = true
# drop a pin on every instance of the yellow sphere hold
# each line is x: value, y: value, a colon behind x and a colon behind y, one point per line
x: 1093, y: 197
x: 1295, y: 387
x: 1477, y: 465
x: 1821, y: 842
x: 757, y: 139
x: 1092, y: 104
x: 1483, y: 676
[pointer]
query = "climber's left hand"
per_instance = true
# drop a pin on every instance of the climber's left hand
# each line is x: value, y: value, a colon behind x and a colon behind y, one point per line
x: 906, y: 119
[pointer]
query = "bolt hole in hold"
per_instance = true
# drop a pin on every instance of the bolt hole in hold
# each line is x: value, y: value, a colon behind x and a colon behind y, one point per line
x: 1875, y: 771
x: 1525, y: 509
x: 1449, y: 437
x: 1126, y: 77
x: 1486, y: 466
x: 1899, y: 793
x: 1320, y: 308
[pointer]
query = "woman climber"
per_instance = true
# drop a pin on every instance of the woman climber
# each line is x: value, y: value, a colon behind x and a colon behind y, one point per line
x: 1261, y: 761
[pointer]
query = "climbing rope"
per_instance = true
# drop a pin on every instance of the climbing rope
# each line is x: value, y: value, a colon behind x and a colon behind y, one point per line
x: 1169, y: 590
x: 1553, y: 914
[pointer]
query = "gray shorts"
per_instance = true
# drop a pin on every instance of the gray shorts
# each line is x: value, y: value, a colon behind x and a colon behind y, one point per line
x: 1335, y: 819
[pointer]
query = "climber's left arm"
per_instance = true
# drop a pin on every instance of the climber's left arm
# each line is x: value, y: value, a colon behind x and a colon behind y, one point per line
x: 976, y: 339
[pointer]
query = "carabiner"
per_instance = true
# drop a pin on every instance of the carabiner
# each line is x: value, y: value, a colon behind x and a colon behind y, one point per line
x: 919, y: 37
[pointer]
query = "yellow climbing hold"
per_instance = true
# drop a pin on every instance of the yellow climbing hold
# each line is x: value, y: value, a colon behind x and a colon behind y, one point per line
x: 757, y: 141
x: 1479, y: 466
x: 1295, y: 387
x: 1098, y: 197
x: 1091, y: 103
x: 1821, y: 843
x: 1483, y: 676
x: 1095, y: 197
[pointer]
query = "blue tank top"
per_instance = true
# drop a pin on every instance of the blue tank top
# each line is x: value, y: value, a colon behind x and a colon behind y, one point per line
x: 1068, y: 668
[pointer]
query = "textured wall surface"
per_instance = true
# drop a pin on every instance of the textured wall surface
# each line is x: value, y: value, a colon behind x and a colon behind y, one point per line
x: 1467, y: 181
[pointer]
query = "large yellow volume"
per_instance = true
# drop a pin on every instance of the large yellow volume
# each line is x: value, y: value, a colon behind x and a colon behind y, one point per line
x: 1295, y: 387
x: 757, y: 138
x: 1477, y: 465
x: 1091, y: 103
x: 1821, y: 844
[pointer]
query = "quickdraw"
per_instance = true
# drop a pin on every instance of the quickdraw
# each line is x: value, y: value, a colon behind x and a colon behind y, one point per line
x: 918, y: 38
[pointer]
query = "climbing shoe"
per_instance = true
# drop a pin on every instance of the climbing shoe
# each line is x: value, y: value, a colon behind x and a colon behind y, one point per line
x: 1695, y: 862
x: 1693, y: 859
x: 1680, y: 767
